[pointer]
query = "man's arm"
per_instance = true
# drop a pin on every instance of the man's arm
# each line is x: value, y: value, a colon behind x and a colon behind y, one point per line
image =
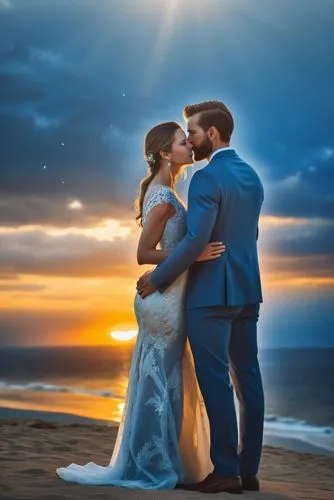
x: 203, y: 201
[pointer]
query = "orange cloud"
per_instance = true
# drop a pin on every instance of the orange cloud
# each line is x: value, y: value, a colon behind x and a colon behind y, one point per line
x: 74, y: 285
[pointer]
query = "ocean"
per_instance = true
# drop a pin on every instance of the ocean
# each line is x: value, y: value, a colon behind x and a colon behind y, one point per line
x: 91, y: 382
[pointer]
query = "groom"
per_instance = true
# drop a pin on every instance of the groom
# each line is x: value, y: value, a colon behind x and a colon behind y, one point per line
x: 223, y: 296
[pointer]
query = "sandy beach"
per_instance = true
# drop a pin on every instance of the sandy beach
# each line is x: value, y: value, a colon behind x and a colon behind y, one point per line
x: 32, y: 448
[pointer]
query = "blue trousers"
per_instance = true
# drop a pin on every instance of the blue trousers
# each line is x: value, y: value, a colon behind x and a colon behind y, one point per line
x: 223, y: 340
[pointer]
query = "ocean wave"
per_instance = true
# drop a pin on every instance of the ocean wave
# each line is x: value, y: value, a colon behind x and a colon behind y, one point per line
x: 289, y: 424
x: 42, y: 387
x: 288, y: 427
x: 284, y: 427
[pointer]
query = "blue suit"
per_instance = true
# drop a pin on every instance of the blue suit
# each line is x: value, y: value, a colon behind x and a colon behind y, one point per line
x: 222, y: 304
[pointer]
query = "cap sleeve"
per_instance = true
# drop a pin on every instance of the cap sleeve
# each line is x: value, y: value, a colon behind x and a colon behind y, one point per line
x: 158, y: 196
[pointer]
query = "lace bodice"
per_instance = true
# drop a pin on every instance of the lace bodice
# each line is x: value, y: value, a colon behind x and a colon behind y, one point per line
x: 175, y: 227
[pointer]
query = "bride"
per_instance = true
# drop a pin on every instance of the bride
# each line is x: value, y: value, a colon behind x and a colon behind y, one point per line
x: 164, y: 436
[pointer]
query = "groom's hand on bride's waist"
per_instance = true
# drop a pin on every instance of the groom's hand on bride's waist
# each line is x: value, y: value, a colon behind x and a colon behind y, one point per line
x: 144, y: 285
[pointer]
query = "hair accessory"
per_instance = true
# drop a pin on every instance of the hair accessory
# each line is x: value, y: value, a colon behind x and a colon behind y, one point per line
x: 151, y: 160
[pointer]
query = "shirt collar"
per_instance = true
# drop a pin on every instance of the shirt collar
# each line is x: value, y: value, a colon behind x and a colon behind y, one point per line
x: 226, y: 148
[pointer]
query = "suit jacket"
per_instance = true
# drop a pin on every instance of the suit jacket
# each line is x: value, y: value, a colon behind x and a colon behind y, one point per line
x: 224, y: 204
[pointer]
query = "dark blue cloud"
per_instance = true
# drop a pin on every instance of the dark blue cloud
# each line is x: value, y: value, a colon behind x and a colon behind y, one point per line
x: 65, y: 67
x: 95, y: 76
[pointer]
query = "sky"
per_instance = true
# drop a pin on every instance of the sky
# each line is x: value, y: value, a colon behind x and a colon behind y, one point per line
x: 81, y: 82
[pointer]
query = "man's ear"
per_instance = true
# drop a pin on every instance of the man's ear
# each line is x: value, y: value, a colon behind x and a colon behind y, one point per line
x: 213, y: 133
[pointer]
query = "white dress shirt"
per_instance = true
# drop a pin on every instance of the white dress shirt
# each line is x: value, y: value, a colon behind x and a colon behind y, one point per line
x: 218, y: 151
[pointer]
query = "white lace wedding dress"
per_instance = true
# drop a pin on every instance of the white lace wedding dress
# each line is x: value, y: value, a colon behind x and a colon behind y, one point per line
x: 164, y: 435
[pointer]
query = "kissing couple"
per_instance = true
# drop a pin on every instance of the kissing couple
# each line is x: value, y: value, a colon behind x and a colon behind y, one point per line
x: 197, y: 315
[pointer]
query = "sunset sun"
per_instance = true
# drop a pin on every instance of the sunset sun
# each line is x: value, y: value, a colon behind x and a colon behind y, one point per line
x: 123, y: 335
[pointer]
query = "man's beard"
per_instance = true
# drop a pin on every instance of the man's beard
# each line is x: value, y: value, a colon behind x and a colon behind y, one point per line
x: 204, y: 150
